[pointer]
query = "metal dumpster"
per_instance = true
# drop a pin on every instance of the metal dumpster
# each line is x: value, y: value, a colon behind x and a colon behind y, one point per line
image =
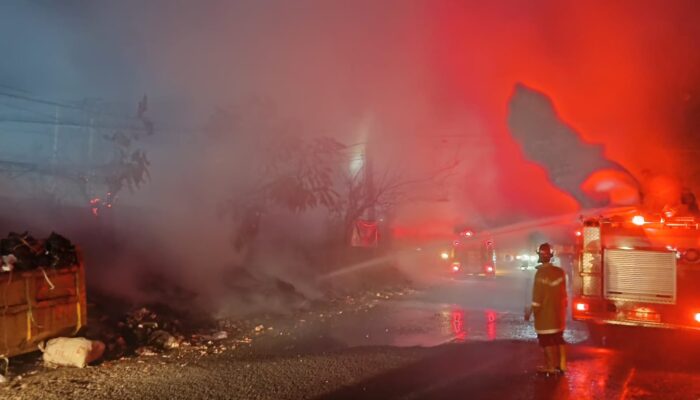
x: 40, y: 304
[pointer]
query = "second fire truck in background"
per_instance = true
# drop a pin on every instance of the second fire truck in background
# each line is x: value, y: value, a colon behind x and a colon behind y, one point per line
x: 471, y: 255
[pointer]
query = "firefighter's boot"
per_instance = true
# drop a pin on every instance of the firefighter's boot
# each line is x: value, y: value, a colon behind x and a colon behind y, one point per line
x: 562, y: 358
x: 551, y: 361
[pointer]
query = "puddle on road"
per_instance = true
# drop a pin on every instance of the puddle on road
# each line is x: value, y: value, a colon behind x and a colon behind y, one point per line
x: 430, y: 325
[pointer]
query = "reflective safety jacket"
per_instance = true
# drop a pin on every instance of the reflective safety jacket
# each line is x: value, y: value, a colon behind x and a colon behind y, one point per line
x: 549, y: 299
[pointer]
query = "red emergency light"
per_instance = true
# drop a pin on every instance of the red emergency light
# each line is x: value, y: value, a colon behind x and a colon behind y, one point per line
x: 489, y: 268
x: 455, y: 266
x: 697, y: 317
x: 581, y: 307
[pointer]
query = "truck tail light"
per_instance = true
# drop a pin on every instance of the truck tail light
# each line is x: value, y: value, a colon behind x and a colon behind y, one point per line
x: 638, y: 220
x: 489, y: 268
x: 697, y: 317
x: 456, y: 266
x: 581, y: 307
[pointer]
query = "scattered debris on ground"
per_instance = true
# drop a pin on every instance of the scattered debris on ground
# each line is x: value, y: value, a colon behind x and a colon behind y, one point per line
x: 158, y: 335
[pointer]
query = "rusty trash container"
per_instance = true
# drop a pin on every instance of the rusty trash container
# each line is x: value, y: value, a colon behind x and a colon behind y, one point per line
x: 40, y: 304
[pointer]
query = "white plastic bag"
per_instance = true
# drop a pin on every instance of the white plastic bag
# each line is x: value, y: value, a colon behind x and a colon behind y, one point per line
x: 8, y: 262
x: 72, y: 352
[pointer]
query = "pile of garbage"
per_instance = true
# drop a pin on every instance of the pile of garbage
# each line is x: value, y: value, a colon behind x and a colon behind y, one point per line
x: 136, y: 331
x: 150, y: 330
x: 21, y: 251
x: 143, y: 327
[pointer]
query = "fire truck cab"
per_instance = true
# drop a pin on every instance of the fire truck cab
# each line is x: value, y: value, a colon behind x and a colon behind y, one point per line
x: 638, y: 270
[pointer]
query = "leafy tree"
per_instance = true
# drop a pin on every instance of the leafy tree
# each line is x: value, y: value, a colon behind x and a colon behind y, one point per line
x: 297, y: 175
x: 295, y: 172
x: 361, y: 191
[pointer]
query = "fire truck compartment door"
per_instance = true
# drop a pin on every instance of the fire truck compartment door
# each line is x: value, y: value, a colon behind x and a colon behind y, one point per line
x: 640, y: 275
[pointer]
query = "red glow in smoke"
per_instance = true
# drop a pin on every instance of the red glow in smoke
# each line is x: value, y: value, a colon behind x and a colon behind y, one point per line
x: 599, y: 62
x: 615, y: 185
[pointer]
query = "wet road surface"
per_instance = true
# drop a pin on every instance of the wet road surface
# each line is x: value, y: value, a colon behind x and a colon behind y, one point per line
x: 482, y: 348
x: 478, y: 309
x: 458, y: 339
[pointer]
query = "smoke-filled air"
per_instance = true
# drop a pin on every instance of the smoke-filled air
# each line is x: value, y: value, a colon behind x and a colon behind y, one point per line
x: 227, y: 153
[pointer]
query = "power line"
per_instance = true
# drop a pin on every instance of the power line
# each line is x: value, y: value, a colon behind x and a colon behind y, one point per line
x: 62, y: 105
x: 17, y: 107
x: 41, y: 101
x: 12, y: 88
x: 71, y: 124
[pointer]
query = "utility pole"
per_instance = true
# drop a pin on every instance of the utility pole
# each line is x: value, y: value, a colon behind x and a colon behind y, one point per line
x: 90, y: 172
x: 369, y: 184
x: 54, y: 155
x: 54, y: 152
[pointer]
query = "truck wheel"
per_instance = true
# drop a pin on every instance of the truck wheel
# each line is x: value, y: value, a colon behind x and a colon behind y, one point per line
x: 598, y: 334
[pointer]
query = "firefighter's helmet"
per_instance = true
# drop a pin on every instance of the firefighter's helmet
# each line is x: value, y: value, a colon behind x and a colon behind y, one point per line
x: 545, y: 253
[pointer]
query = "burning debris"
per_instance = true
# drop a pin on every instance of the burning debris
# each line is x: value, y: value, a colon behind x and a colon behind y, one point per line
x: 141, y: 331
x: 158, y: 330
x: 145, y: 327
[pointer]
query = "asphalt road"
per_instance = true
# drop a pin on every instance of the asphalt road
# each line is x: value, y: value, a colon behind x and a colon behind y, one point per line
x: 457, y: 339
x: 481, y: 348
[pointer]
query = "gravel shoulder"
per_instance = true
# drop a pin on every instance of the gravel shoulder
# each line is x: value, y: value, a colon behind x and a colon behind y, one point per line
x: 265, y: 357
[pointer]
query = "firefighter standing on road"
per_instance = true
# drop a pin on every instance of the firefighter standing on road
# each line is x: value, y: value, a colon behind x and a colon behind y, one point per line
x: 549, y: 308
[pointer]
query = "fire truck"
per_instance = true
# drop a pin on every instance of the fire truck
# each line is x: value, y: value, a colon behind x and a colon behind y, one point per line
x: 637, y: 269
x: 472, y: 256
